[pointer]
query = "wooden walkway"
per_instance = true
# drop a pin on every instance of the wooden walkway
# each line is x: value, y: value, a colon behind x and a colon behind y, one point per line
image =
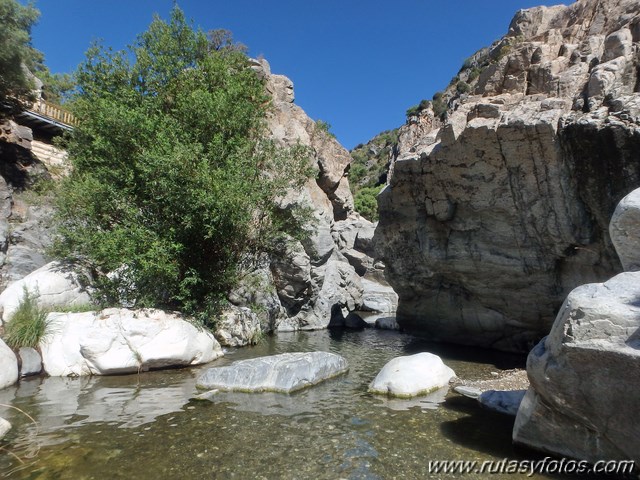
x: 48, y: 117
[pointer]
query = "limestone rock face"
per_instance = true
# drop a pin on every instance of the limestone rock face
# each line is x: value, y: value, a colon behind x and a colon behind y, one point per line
x: 8, y: 366
x: 24, y: 224
x: 583, y: 399
x: 53, y: 285
x: 319, y: 277
x: 494, y: 214
x: 116, y: 341
x: 284, y: 373
x: 413, y: 375
x: 237, y: 327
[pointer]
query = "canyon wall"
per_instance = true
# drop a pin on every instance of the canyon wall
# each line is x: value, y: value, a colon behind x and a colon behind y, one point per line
x: 498, y: 207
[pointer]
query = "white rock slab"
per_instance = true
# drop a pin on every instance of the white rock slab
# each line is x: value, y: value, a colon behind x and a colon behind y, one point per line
x: 116, y: 341
x: 413, y: 375
x: 283, y: 373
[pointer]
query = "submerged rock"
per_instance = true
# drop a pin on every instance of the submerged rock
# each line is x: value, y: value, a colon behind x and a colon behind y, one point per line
x: 284, y: 373
x: 412, y: 375
x: 119, y: 340
x: 8, y: 366
x: 502, y: 401
x: 4, y: 427
x: 53, y: 285
x: 469, y: 392
x: 583, y: 401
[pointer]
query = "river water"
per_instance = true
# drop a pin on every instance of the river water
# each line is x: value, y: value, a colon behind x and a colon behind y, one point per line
x: 148, y: 426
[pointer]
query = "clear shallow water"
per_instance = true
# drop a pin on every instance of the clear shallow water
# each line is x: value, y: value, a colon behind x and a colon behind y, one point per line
x: 148, y: 426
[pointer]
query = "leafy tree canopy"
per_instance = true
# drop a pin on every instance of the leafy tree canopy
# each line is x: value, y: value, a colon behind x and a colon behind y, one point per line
x: 174, y: 184
x: 16, y: 52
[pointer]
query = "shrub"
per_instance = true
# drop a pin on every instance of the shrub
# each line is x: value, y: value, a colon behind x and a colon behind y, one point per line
x: 175, y: 183
x: 463, y: 87
x: 366, y: 204
x: 28, y: 324
x: 325, y: 127
x: 439, y: 104
x: 411, y: 111
x: 473, y: 74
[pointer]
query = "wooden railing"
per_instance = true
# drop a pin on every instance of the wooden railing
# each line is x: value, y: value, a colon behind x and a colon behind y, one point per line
x: 55, y: 112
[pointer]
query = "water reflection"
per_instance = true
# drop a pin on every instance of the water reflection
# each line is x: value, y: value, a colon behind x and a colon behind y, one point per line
x: 149, y: 426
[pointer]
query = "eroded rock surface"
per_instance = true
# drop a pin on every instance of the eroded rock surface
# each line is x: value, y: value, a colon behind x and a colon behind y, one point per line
x: 320, y: 277
x: 499, y: 208
x: 583, y: 400
x: 53, y: 285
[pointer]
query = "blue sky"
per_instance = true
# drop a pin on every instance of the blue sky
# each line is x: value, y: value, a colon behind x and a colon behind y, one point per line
x: 357, y: 64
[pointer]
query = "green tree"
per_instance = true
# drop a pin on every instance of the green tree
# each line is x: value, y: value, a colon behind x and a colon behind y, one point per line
x: 174, y: 185
x: 16, y: 53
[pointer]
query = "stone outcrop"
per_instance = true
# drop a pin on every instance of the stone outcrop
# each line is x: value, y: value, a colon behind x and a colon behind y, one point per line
x: 583, y: 399
x: 237, y: 327
x: 319, y: 277
x: 25, y: 216
x: 284, y: 373
x: 115, y: 341
x: 53, y: 285
x: 410, y: 376
x: 495, y: 210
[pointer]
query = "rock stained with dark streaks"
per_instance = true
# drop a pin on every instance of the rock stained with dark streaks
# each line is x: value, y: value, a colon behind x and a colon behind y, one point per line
x: 495, y: 211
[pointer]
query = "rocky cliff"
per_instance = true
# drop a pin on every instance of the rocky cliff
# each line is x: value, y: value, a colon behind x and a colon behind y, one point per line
x: 497, y: 207
x: 25, y: 206
x: 331, y: 273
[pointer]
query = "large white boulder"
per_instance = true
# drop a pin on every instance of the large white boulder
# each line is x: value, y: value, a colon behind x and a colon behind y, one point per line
x: 54, y: 285
x: 8, y: 366
x: 282, y: 373
x: 120, y: 340
x: 583, y: 401
x: 412, y: 375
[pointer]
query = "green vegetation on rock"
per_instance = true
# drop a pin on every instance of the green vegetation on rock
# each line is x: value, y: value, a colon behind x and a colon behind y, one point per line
x: 366, y: 204
x: 174, y: 186
x: 28, y: 324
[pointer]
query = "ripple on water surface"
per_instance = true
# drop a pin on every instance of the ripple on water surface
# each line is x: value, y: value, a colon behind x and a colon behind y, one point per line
x: 147, y: 427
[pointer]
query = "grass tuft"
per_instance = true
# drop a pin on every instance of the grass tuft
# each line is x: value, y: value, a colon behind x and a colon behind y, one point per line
x: 28, y: 325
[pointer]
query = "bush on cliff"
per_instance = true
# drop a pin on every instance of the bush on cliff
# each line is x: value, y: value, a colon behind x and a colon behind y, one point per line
x: 174, y: 183
x: 366, y: 204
